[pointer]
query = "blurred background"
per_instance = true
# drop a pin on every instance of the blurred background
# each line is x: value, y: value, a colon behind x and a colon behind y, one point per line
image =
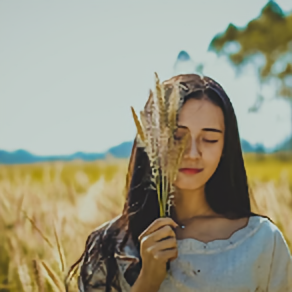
x: 69, y: 73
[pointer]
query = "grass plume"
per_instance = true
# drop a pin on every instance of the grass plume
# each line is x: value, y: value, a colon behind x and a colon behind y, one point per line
x: 38, y: 230
x: 38, y: 275
x: 60, y: 250
x: 156, y: 130
x: 52, y: 277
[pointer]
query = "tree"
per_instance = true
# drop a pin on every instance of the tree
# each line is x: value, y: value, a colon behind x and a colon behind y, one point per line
x: 266, y: 41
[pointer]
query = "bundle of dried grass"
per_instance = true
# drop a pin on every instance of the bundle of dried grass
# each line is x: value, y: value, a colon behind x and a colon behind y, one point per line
x: 156, y: 134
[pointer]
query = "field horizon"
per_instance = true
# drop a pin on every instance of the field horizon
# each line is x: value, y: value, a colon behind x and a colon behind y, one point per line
x: 48, y: 208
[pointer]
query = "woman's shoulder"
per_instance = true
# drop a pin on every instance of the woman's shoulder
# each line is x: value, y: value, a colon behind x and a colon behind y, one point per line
x: 280, y: 278
x: 93, y: 263
x: 266, y: 226
x: 268, y: 231
x: 98, y: 242
x: 103, y: 229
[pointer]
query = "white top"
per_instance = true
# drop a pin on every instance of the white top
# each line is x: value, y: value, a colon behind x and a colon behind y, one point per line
x: 254, y: 258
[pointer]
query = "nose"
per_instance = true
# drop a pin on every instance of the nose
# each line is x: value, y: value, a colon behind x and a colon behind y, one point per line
x: 192, y: 151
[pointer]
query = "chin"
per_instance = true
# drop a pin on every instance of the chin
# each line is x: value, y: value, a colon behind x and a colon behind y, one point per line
x: 187, y: 187
x: 184, y: 183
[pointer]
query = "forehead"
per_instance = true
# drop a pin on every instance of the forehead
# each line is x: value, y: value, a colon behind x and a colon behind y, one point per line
x: 201, y: 114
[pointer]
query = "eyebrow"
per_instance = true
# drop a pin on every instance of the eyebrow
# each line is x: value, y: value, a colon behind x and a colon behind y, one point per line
x: 204, y: 129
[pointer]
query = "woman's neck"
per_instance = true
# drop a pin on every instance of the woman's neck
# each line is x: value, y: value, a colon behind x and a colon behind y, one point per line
x: 190, y: 204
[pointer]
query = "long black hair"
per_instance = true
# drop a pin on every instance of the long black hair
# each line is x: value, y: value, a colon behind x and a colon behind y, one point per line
x: 227, y: 191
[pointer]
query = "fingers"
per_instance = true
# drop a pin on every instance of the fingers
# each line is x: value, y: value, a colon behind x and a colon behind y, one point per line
x: 157, y: 224
x: 158, y: 241
x: 157, y: 236
x: 166, y: 255
x: 162, y: 245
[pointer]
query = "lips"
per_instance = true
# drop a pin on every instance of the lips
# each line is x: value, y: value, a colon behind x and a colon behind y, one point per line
x: 190, y: 170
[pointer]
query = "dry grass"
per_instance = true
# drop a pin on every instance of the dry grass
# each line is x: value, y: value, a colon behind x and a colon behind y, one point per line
x: 47, y: 211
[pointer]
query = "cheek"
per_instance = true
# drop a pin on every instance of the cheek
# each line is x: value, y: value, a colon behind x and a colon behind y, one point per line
x: 212, y: 156
x: 210, y: 160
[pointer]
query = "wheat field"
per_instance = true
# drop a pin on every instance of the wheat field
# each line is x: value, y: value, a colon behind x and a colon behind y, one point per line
x: 47, y: 211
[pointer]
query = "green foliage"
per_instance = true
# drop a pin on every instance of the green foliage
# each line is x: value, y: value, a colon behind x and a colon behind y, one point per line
x: 270, y: 36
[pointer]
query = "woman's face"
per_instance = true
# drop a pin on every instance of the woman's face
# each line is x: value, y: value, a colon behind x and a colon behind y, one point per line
x: 205, y: 123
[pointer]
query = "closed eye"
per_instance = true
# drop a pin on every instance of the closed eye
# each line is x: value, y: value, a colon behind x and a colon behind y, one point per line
x: 210, y: 141
x: 177, y: 138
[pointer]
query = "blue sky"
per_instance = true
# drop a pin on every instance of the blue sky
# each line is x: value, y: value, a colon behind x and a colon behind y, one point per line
x: 70, y: 70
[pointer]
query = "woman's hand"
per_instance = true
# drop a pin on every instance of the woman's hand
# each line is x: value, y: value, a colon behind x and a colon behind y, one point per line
x: 158, y: 246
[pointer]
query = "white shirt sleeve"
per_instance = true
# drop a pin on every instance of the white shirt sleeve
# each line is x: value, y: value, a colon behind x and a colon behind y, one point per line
x: 280, y: 279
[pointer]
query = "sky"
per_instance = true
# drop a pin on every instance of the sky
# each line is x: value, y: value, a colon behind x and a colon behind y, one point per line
x: 70, y: 70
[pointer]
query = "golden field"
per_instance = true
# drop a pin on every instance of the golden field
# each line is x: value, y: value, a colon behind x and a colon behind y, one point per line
x: 47, y: 211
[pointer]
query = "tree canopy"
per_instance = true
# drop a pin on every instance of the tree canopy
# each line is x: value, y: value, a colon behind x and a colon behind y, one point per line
x: 267, y: 38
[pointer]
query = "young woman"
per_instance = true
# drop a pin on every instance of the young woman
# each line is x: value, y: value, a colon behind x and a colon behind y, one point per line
x: 212, y: 241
